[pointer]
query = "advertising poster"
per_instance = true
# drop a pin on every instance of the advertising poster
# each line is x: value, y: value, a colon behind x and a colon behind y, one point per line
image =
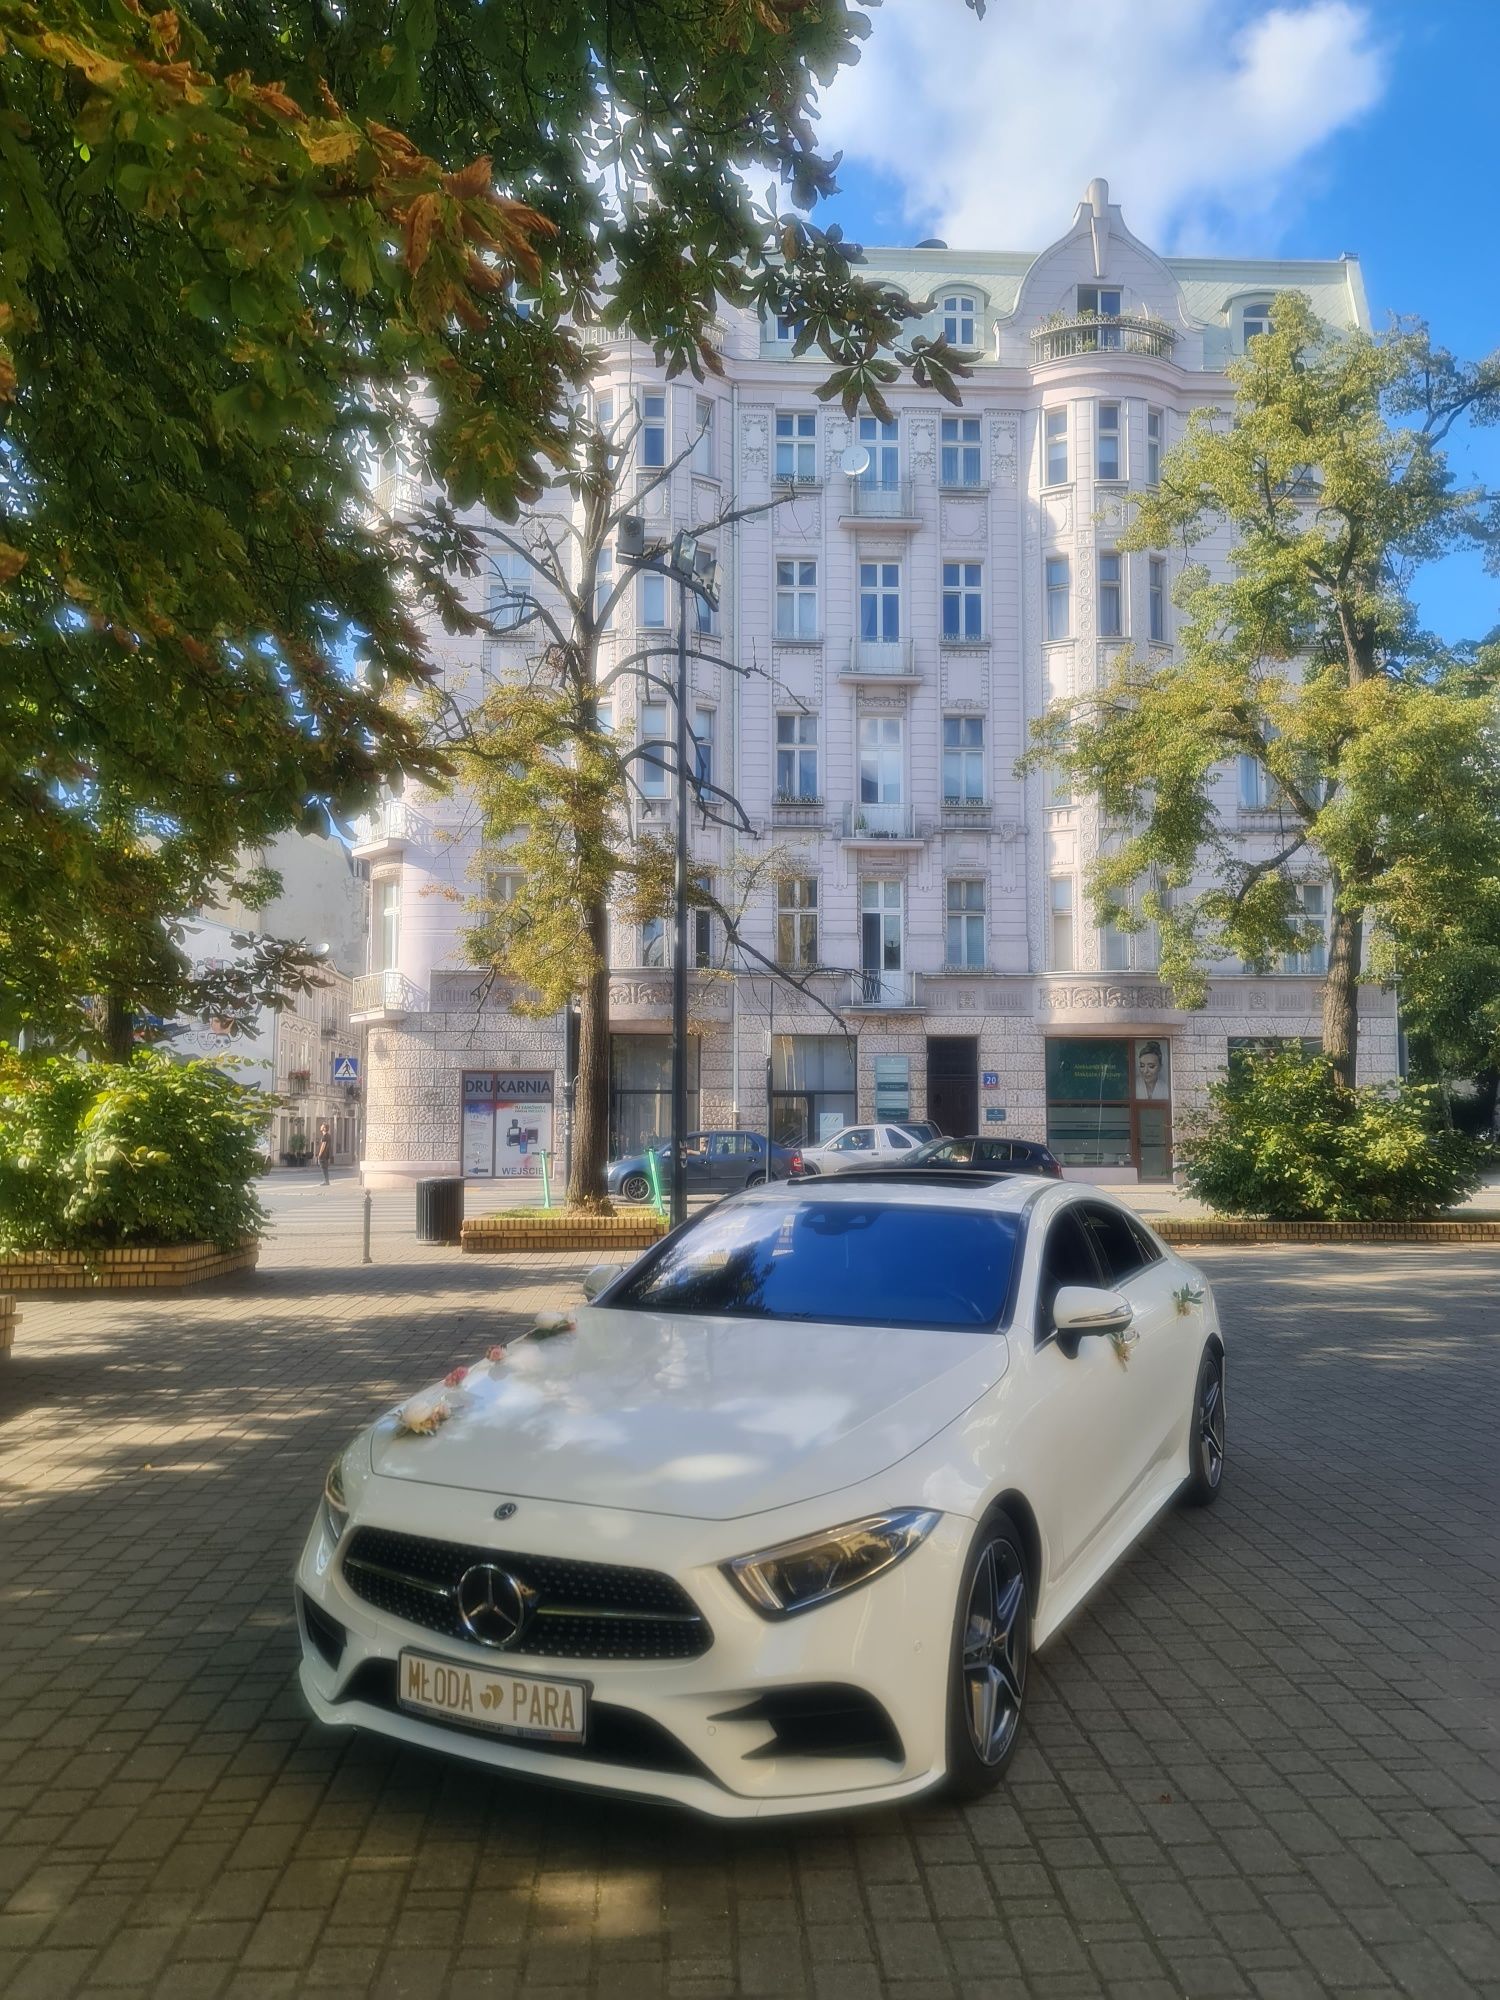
x: 507, y: 1123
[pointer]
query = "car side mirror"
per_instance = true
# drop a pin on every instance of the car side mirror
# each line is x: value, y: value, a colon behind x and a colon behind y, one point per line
x: 600, y: 1279
x: 1081, y: 1310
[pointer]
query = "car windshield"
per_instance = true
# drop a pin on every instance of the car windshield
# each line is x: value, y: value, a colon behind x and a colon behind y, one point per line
x: 864, y: 1263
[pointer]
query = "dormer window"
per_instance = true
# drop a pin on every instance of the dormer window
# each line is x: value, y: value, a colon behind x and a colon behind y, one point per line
x: 1102, y: 302
x: 1255, y: 319
x: 960, y: 317
x: 784, y: 329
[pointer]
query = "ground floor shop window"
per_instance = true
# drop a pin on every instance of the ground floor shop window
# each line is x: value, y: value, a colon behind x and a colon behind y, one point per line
x: 1245, y: 1048
x: 812, y: 1087
x: 1109, y: 1103
x: 640, y: 1091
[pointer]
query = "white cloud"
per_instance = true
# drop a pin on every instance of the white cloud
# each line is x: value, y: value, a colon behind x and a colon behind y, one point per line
x: 1201, y: 114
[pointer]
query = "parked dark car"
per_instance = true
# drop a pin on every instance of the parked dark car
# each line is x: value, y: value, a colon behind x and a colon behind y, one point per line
x: 717, y: 1163
x: 1018, y: 1156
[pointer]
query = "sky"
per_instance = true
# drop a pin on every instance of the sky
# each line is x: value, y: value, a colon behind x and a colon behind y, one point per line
x: 1299, y: 129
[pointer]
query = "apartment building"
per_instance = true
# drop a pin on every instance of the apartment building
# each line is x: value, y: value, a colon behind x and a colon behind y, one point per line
x: 902, y: 625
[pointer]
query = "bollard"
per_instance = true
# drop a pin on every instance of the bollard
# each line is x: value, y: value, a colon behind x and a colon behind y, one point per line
x: 546, y: 1182
x: 653, y: 1175
x: 369, y: 1203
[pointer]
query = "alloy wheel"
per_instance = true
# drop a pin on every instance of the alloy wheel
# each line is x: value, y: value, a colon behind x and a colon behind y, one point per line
x: 1211, y: 1421
x: 997, y: 1630
x: 635, y: 1187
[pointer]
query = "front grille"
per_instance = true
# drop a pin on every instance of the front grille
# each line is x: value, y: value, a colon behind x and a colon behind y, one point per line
x: 582, y: 1610
x: 615, y: 1735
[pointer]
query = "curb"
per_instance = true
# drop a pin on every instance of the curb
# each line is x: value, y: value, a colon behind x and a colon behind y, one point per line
x: 1239, y: 1229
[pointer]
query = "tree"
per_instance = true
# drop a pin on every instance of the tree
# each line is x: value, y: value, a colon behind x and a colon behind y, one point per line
x: 1382, y: 748
x: 553, y: 785
x: 234, y: 236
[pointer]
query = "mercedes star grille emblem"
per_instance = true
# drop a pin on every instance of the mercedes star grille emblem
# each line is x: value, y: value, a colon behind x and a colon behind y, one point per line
x: 493, y: 1604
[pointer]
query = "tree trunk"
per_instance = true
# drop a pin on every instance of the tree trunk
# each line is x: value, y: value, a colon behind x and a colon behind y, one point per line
x: 1341, y: 990
x: 586, y: 1189
x: 119, y: 1029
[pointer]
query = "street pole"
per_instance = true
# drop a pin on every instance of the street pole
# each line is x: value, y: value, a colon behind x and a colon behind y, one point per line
x: 679, y: 955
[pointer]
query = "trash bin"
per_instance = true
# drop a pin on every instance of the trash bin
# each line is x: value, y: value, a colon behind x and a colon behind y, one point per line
x: 440, y: 1211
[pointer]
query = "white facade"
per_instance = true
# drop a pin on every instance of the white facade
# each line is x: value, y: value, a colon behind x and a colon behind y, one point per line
x: 902, y: 630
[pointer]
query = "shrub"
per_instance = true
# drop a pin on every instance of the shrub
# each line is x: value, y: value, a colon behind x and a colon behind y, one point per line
x: 1287, y: 1140
x: 151, y: 1151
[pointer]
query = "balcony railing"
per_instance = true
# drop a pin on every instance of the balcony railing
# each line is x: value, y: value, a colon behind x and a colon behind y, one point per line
x: 870, y: 822
x: 961, y: 813
x: 608, y: 336
x: 881, y: 656
x: 878, y: 500
x: 799, y: 812
x: 387, y: 830
x: 872, y: 989
x: 1103, y: 334
x: 386, y: 996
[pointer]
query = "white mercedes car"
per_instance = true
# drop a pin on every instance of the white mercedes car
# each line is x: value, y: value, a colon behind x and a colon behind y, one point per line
x: 777, y: 1527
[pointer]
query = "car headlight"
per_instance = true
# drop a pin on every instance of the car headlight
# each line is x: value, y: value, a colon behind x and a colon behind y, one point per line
x: 335, y: 1505
x: 798, y: 1575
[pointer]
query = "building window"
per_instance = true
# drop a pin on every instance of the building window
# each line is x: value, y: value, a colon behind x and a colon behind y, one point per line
x: 509, y: 603
x: 797, y: 445
x: 705, y: 612
x: 882, y: 440
x: 880, y: 927
x: 702, y: 920
x: 963, y: 600
x: 881, y: 760
x: 966, y: 924
x: 1107, y: 442
x: 1157, y: 597
x: 797, y: 755
x: 654, y: 429
x: 1062, y: 923
x: 784, y: 329
x: 1111, y: 595
x: 1114, y: 948
x: 1153, y: 447
x: 959, y: 316
x: 963, y: 760
x: 1257, y: 786
x: 654, y: 942
x: 1055, y: 425
x: 1255, y: 319
x: 653, y: 602
x: 604, y: 409
x: 704, y: 459
x: 654, y: 766
x: 1109, y: 1104
x: 796, y: 598
x: 503, y: 885
x: 961, y: 464
x: 1102, y: 302
x: 880, y: 601
x: 604, y: 717
x: 640, y: 1090
x: 604, y: 583
x: 1059, y: 598
x: 388, y: 922
x: 797, y: 923
x: 812, y: 1087
x: 703, y: 744
x: 1312, y: 910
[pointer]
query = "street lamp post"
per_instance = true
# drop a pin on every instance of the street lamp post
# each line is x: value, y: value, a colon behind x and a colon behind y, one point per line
x: 694, y: 572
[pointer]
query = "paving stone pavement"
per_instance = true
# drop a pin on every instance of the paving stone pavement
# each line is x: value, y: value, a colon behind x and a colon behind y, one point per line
x: 1265, y: 1760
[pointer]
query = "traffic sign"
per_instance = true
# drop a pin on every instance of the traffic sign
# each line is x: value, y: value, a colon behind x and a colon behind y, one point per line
x: 346, y: 1069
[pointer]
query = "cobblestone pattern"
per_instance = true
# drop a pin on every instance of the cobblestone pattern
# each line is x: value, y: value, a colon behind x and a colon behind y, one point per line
x: 1264, y: 1761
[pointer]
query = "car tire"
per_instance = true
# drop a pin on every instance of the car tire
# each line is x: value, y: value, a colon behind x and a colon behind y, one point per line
x: 991, y: 1653
x: 1207, y: 1435
x: 757, y: 1179
x: 635, y: 1187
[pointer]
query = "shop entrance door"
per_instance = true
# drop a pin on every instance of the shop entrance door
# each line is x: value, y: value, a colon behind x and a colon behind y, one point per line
x: 953, y: 1084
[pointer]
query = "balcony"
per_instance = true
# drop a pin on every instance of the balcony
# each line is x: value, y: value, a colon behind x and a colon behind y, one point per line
x: 809, y: 813
x: 715, y: 333
x: 965, y: 815
x: 386, y: 996
x: 879, y: 826
x: 1092, y: 333
x: 882, y: 993
x: 892, y: 503
x: 891, y: 661
x: 387, y: 832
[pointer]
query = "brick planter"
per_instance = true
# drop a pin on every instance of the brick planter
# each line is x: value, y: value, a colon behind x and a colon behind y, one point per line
x: 143, y: 1267
x: 556, y: 1229
x: 1245, y: 1229
x: 10, y: 1319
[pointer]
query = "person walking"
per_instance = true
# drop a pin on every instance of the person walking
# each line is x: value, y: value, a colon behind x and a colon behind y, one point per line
x: 323, y: 1151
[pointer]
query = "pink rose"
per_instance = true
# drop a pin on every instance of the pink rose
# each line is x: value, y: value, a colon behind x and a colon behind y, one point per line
x: 495, y: 1354
x: 454, y: 1376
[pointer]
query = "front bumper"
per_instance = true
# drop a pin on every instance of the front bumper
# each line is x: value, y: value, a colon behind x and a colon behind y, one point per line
x: 694, y: 1732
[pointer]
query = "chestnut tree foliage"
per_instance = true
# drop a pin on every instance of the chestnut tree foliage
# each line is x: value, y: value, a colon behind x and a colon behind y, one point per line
x: 248, y: 248
x: 1382, y: 747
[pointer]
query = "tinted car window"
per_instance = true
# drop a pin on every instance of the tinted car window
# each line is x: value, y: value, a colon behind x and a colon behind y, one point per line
x: 1067, y: 1259
x: 898, y: 1141
x: 993, y: 1152
x: 869, y: 1263
x: 1118, y: 1244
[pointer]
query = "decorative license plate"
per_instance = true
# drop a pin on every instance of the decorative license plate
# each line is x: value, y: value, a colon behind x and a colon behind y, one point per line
x: 510, y: 1704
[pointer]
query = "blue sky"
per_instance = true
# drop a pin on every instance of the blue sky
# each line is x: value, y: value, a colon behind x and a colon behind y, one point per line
x: 1299, y: 129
